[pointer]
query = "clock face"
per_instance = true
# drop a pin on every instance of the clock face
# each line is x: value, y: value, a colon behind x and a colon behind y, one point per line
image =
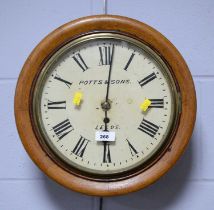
x: 104, y: 87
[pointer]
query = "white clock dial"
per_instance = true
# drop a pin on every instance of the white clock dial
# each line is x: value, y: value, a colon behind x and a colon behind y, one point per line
x: 139, y: 78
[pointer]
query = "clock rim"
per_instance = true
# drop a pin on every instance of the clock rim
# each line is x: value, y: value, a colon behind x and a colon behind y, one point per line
x: 54, y: 41
x: 60, y: 160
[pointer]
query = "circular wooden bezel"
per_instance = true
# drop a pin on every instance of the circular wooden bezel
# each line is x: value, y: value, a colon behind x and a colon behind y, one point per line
x: 60, y: 37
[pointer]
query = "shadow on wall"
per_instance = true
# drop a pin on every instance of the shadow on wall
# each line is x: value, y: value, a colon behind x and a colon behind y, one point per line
x: 159, y: 196
x: 65, y: 199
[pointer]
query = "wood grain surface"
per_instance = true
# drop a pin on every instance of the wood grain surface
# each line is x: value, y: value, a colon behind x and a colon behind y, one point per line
x: 57, y: 39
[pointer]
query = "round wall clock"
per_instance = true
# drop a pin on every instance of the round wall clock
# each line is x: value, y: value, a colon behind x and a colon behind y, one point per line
x: 105, y: 105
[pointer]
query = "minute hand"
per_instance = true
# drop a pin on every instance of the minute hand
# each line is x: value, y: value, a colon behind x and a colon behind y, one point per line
x: 106, y: 119
x: 109, y: 74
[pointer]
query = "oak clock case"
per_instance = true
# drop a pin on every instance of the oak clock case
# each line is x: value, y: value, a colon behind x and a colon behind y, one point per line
x: 132, y: 84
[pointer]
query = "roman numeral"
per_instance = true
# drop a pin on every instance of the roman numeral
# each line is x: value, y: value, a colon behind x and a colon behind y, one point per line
x: 156, y: 103
x: 80, y: 147
x: 148, y: 127
x: 62, y: 129
x: 105, y: 55
x: 106, y: 153
x: 81, y: 63
x: 147, y: 79
x: 68, y: 84
x: 56, y: 104
x: 129, y: 61
x: 131, y: 148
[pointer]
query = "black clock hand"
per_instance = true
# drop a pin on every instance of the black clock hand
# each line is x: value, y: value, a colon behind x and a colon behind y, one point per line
x: 109, y: 74
x: 106, y: 105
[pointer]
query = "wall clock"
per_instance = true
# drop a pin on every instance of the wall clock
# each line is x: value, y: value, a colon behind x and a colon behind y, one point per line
x: 105, y: 105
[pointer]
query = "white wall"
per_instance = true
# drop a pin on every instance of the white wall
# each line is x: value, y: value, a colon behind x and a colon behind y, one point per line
x: 186, y: 23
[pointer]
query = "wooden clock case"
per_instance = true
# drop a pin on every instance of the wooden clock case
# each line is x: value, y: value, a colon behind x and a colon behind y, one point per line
x: 58, y: 38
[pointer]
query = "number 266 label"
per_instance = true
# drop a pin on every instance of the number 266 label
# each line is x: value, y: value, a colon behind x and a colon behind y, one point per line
x: 104, y: 136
